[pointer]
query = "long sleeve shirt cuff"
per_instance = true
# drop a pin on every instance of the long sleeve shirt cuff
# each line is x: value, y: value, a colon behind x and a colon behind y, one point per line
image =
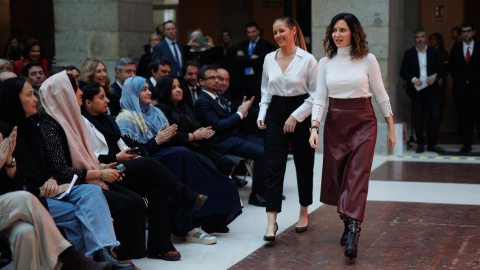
x: 240, y: 114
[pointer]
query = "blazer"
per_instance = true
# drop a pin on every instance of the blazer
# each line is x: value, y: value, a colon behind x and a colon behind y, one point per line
x: 410, y: 68
x: 225, y: 122
x: 466, y: 77
x: 262, y: 48
x: 114, y: 98
x: 162, y: 49
x: 187, y: 96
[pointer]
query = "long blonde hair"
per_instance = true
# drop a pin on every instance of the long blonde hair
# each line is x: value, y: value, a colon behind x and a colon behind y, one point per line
x: 299, y: 39
x: 88, y: 69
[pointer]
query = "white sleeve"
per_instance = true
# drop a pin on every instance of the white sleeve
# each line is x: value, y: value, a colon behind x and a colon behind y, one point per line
x: 321, y: 94
x: 121, y: 144
x: 266, y: 97
x: 302, y: 112
x: 375, y: 80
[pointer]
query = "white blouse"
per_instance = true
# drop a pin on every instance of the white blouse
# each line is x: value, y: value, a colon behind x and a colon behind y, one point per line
x: 341, y: 77
x: 299, y: 78
x: 99, y: 143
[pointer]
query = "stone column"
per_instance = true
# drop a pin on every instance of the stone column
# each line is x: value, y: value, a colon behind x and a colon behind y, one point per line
x: 106, y: 30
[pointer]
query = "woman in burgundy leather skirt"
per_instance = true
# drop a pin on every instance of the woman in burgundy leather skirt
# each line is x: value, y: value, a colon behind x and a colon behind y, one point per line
x: 344, y: 76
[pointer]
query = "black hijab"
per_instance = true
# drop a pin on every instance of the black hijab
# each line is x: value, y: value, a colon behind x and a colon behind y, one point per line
x: 34, y: 165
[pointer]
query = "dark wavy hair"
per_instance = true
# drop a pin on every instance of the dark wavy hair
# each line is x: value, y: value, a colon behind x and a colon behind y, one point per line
x: 89, y: 89
x: 163, y: 90
x: 358, y: 40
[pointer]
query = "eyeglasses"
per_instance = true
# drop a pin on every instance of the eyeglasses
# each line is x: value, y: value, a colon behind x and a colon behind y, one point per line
x: 213, y: 78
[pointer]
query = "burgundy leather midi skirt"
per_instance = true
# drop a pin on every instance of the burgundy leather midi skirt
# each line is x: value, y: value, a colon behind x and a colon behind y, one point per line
x: 349, y: 143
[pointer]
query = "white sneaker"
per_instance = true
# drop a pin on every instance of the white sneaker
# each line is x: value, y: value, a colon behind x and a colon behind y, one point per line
x: 197, y: 235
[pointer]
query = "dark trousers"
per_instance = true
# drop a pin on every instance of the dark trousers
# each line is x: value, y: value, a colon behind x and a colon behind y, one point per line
x: 149, y: 178
x: 468, y: 108
x: 431, y: 102
x: 276, y: 152
x: 128, y: 212
x: 249, y: 147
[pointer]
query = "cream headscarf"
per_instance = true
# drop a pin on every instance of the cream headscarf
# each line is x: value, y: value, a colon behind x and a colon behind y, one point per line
x: 59, y: 101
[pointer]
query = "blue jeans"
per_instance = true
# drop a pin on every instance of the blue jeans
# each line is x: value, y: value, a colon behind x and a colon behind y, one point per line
x: 85, y: 217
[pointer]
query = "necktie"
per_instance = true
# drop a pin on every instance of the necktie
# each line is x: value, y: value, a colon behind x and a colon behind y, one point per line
x: 468, y: 54
x: 194, y: 94
x: 250, y: 51
x: 177, y: 59
x: 220, y: 103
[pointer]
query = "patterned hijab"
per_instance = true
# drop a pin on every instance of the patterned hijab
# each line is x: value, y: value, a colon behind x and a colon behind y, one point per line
x: 59, y: 101
x: 138, y: 120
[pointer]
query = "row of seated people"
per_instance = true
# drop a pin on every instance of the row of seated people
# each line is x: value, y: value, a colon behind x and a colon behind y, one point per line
x: 54, y: 147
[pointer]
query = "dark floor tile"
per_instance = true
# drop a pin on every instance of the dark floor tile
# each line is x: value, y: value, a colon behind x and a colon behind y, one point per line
x: 461, y: 173
x: 394, y: 236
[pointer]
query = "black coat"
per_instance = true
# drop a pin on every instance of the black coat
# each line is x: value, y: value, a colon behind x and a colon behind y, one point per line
x: 466, y: 77
x: 410, y: 68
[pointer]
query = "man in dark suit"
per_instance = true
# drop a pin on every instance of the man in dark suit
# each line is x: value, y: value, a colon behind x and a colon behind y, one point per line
x: 170, y: 48
x: 158, y: 68
x: 124, y: 69
x: 189, y: 83
x: 250, y: 55
x: 464, y: 66
x: 210, y: 110
x: 421, y: 67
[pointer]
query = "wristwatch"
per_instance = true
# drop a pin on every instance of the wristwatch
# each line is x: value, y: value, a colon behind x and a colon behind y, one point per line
x: 12, y: 165
x: 313, y: 127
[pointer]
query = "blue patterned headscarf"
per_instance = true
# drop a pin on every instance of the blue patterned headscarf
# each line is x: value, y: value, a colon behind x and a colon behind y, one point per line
x: 138, y: 120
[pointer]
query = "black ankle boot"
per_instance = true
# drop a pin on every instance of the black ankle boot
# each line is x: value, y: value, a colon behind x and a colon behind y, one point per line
x: 105, y: 255
x: 344, y: 239
x: 352, y: 242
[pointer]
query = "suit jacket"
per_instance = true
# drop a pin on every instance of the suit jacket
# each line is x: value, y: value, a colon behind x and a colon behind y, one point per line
x: 187, y: 96
x: 162, y: 49
x: 466, y: 77
x: 410, y: 68
x: 225, y: 122
x: 262, y: 48
x: 114, y: 103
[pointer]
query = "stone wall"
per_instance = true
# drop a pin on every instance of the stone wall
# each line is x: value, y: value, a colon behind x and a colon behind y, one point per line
x: 105, y: 30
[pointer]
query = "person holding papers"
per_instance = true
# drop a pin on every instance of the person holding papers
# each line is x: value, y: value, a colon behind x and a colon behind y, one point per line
x: 83, y: 214
x: 421, y: 67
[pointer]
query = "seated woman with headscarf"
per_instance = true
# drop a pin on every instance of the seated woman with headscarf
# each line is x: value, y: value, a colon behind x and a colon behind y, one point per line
x: 83, y: 214
x: 146, y: 176
x: 145, y: 126
x: 68, y: 143
x: 169, y: 95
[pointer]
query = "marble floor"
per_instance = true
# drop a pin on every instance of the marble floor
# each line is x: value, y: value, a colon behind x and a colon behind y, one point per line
x: 422, y: 213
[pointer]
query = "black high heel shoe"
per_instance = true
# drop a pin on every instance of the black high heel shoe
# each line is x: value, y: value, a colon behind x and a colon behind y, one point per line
x: 302, y: 229
x: 271, y: 238
x: 351, y: 249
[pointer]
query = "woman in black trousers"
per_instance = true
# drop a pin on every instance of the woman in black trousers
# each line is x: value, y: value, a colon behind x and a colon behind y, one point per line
x: 288, y: 85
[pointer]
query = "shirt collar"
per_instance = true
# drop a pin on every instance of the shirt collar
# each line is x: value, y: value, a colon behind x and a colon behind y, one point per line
x: 426, y: 47
x: 213, y: 96
x: 169, y: 40
x: 121, y: 86
x: 470, y: 45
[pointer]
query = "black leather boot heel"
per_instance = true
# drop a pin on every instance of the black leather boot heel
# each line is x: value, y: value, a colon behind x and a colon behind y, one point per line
x: 351, y: 249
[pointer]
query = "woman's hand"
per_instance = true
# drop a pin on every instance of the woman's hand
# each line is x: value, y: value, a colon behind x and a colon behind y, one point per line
x: 97, y: 182
x: 165, y: 134
x: 391, y: 139
x: 261, y: 124
x: 7, y: 146
x: 203, y: 133
x: 209, y: 41
x: 290, y: 125
x: 49, y: 188
x: 314, y: 139
x: 124, y: 156
x: 111, y: 175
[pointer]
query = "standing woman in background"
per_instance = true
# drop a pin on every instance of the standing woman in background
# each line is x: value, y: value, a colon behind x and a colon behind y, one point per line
x: 344, y: 76
x: 288, y: 85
